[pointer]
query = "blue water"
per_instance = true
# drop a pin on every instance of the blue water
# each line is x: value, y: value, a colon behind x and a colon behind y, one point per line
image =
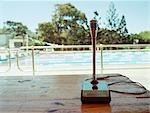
x: 6, y: 60
x: 85, y: 58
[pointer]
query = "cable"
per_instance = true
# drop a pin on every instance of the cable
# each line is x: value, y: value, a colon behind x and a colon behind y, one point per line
x: 122, y: 81
x: 136, y: 93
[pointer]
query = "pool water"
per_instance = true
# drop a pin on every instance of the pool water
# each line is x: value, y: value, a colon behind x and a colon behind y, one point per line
x: 85, y: 58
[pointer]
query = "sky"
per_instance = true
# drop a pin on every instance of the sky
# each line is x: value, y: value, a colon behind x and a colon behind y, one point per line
x: 32, y: 12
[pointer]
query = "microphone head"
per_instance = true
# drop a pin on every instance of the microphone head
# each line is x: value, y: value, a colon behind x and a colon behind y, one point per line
x: 93, y: 28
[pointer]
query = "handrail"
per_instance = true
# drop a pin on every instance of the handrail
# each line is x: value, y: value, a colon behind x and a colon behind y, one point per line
x: 102, y: 60
x: 9, y: 62
x: 123, y: 45
x: 9, y: 56
x: 33, y: 64
x: 99, y: 47
x: 58, y: 46
x: 86, y: 46
x: 17, y: 59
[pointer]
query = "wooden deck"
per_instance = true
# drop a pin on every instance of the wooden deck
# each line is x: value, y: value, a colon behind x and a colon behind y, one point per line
x: 61, y: 94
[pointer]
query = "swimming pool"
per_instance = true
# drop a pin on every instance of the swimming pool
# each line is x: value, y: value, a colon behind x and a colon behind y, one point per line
x: 85, y: 58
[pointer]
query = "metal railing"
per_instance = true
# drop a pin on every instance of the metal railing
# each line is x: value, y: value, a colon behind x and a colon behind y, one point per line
x: 70, y: 48
x: 8, y: 58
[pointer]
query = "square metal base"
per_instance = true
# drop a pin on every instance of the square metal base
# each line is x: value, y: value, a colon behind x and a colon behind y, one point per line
x: 100, y: 95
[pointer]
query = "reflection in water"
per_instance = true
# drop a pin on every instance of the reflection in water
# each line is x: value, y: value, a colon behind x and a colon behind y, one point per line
x: 95, y: 108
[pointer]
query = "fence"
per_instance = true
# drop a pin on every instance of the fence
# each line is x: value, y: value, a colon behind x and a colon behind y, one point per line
x: 32, y: 51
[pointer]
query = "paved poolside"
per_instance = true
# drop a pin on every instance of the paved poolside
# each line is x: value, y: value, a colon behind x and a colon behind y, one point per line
x: 136, y: 72
x: 61, y: 94
x: 58, y: 91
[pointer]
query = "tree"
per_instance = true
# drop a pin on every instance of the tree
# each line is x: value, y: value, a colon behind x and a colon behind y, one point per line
x: 106, y: 36
x: 134, y: 38
x: 70, y: 23
x: 16, y: 28
x: 112, y: 18
x: 145, y: 35
x: 116, y: 27
x: 97, y: 18
x: 1, y: 30
x: 111, y: 35
x: 48, y: 33
x: 122, y: 29
x: 142, y: 37
x: 46, y: 30
x: 68, y: 26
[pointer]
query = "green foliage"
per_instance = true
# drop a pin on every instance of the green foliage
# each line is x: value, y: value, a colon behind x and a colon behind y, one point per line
x: 70, y: 21
x: 1, y: 30
x: 112, y: 18
x: 106, y: 36
x: 141, y: 38
x: 114, y: 23
x: 49, y: 32
x: 46, y: 30
x: 68, y: 26
x: 115, y: 31
x: 122, y: 29
x: 16, y: 27
x: 69, y: 12
x: 145, y: 35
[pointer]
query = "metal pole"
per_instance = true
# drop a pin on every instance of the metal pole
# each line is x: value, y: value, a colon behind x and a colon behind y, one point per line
x: 33, y: 65
x: 94, y: 57
x: 27, y: 44
x: 17, y: 57
x: 101, y: 59
x: 93, y: 29
x: 9, y: 59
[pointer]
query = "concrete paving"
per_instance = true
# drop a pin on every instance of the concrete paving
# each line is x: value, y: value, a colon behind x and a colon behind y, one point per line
x: 61, y: 94
x: 137, y: 72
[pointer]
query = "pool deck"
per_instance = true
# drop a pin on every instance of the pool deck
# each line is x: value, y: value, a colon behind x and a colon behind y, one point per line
x: 61, y: 94
x: 136, y: 72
